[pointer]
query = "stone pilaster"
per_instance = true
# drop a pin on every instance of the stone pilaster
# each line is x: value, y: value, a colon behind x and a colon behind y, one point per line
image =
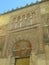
x: 40, y: 37
x: 5, y: 45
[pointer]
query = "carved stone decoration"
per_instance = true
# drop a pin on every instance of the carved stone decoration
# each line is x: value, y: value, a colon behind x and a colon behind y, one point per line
x: 13, y: 18
x: 45, y: 24
x: 22, y: 48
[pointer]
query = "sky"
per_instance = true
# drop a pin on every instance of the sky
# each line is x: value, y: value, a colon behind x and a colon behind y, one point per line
x: 7, y: 5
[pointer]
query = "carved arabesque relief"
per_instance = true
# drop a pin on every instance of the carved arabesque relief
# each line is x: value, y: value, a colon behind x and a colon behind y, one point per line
x: 17, y: 21
x: 22, y: 48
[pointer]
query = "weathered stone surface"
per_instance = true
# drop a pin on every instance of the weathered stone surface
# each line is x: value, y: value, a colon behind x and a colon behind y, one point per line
x: 26, y: 24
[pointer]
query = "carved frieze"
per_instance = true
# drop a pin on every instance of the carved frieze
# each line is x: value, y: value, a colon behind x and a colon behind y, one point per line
x: 22, y: 20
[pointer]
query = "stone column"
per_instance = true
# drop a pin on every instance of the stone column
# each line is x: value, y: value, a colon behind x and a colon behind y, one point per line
x: 5, y: 45
x: 33, y: 58
x: 12, y: 62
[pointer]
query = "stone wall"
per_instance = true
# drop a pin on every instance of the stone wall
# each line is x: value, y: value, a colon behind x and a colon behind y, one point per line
x: 4, y: 61
x: 7, y: 61
x: 40, y: 59
x: 31, y: 35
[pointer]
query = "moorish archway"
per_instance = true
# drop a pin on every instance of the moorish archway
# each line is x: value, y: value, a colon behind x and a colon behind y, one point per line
x: 22, y: 51
x: 22, y: 48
